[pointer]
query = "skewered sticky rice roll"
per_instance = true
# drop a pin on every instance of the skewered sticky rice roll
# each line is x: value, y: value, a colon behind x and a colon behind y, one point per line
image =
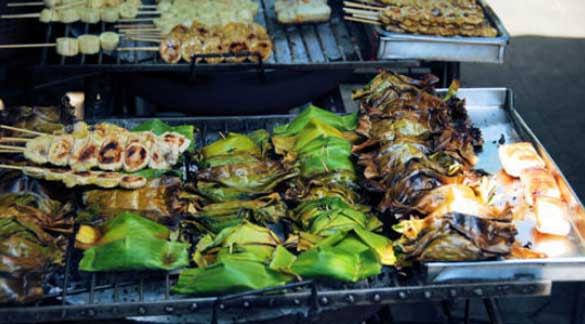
x: 60, y: 150
x: 111, y: 154
x: 89, y: 15
x: 109, y: 41
x: 128, y: 10
x: 110, y: 14
x: 49, y: 15
x: 89, y: 44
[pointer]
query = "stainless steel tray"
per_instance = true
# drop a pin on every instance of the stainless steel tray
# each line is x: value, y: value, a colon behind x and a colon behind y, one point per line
x: 493, y: 111
x: 396, y: 46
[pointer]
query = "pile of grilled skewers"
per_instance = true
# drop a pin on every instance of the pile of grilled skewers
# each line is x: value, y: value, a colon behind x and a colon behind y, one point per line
x: 441, y: 18
x: 106, y: 147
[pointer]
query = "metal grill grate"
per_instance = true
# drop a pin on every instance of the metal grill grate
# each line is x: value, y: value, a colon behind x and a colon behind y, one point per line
x: 334, y: 44
x: 109, y: 295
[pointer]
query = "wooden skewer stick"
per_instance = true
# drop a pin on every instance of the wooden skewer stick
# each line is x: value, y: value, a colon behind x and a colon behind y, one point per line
x: 147, y: 6
x: 24, y: 4
x: 361, y: 6
x: 365, y: 17
x: 143, y: 48
x: 363, y: 13
x: 14, y: 167
x: 9, y: 152
x: 19, y: 16
x: 22, y: 130
x: 134, y: 26
x: 144, y: 39
x: 136, y: 30
x: 140, y: 13
x: 14, y: 139
x: 12, y: 148
x: 70, y: 5
x: 365, y: 21
x: 5, y: 46
x: 136, y: 19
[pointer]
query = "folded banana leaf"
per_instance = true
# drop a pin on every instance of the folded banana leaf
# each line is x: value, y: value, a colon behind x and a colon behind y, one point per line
x: 239, y: 258
x: 253, y: 241
x: 158, y: 201
x: 131, y: 242
x: 217, y: 216
x: 229, y: 276
x: 343, y: 123
x: 347, y: 256
x: 454, y: 237
x: 40, y: 119
x: 327, y: 216
x: 241, y: 181
x: 159, y: 127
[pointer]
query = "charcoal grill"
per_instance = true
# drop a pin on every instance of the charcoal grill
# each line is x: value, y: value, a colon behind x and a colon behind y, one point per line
x: 145, y: 296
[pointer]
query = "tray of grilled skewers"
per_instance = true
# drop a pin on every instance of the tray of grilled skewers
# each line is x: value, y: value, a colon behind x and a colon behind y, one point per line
x: 451, y: 180
x: 231, y: 32
x: 444, y: 30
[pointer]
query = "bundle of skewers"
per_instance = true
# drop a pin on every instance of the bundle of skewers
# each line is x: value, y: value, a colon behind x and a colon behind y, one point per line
x: 106, y: 147
x: 440, y: 17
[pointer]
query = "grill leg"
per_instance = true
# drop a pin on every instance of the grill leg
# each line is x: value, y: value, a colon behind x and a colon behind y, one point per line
x: 493, y: 312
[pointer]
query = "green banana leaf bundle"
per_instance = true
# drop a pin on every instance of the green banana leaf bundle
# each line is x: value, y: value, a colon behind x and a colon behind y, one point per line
x: 454, y: 237
x: 215, y: 217
x: 32, y: 243
x: 239, y: 258
x: 131, y: 242
x: 343, y: 123
x: 348, y: 256
x: 160, y: 200
x: 327, y: 216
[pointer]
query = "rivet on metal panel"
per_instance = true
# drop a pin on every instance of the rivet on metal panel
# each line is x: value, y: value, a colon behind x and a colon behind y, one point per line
x: 271, y: 302
x: 194, y: 307
x: 141, y: 310
x: 377, y: 298
x: 428, y: 294
x: 478, y: 292
x: 452, y: 292
x: 296, y: 301
x: 529, y: 289
x: 91, y: 313
x: 169, y: 309
x: 350, y: 299
x: 402, y: 295
x: 221, y: 306
x: 324, y: 300
x: 246, y: 304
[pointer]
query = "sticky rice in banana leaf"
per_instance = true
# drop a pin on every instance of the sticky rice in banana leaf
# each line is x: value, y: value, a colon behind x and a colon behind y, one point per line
x: 40, y: 119
x: 454, y: 237
x: 131, y: 242
x: 156, y: 201
x: 217, y: 216
x: 239, y: 258
x: 341, y: 122
x: 327, y: 216
x: 347, y: 256
x: 242, y: 180
x: 31, y: 243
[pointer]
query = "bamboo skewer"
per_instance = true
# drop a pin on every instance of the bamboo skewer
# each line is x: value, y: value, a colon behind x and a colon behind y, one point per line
x: 135, y: 19
x: 9, y: 152
x: 135, y: 26
x: 149, y: 13
x: 136, y: 30
x: 366, y: 21
x: 14, y: 167
x: 19, y: 16
x: 144, y: 39
x: 358, y: 12
x: 12, y: 148
x: 14, y: 139
x: 21, y: 130
x: 361, y: 6
x: 6, y: 46
x: 142, y: 48
x: 24, y: 4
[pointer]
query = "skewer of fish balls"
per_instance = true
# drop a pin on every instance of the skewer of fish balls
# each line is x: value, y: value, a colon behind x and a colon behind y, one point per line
x: 84, y: 44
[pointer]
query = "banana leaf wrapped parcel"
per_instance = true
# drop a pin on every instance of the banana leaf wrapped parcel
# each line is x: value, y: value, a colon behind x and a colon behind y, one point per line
x: 239, y: 258
x: 32, y: 229
x: 131, y: 242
